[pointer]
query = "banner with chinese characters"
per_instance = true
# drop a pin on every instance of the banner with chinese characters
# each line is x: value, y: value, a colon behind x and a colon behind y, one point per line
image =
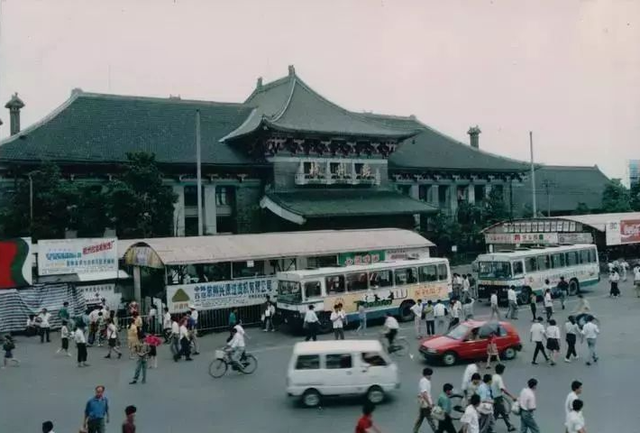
x: 78, y: 256
x: 623, y: 232
x: 220, y: 294
x: 521, y: 238
x: 360, y: 258
x: 95, y: 293
x: 16, y: 261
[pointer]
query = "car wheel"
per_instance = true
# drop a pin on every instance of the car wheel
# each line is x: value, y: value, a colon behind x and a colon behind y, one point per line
x: 449, y: 358
x: 375, y: 395
x: 574, y: 287
x: 311, y: 398
x: 509, y: 353
x: 405, y: 311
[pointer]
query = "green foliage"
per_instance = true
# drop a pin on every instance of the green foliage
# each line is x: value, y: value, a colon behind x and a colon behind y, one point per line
x: 582, y: 209
x: 635, y: 197
x: 615, y: 197
x: 495, y: 207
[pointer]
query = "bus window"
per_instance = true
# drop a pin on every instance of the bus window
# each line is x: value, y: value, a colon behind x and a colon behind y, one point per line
x: 312, y: 289
x: 405, y: 276
x: 494, y: 270
x: 592, y: 255
x: 543, y: 263
x: 427, y: 273
x: 289, y: 291
x: 557, y: 260
x: 531, y: 264
x: 335, y: 284
x: 518, y: 269
x: 356, y: 281
x: 584, y: 256
x: 443, y: 273
x: 380, y: 279
x: 572, y: 258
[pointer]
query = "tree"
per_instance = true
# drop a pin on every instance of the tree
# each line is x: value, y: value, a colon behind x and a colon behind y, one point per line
x: 137, y: 203
x: 582, y: 209
x: 90, y: 217
x: 615, y: 197
x: 635, y: 196
x: 496, y: 208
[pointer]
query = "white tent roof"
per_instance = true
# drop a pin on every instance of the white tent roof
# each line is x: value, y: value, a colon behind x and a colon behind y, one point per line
x: 229, y: 248
x: 599, y: 221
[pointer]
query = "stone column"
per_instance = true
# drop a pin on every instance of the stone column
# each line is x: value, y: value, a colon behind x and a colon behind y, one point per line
x: 210, y: 217
x: 453, y: 198
x: 415, y: 191
x: 434, y: 195
x: 471, y: 193
x: 137, y: 287
x: 178, y: 211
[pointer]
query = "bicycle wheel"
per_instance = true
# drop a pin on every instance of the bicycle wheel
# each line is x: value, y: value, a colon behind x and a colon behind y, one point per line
x: 401, y: 347
x: 457, y: 406
x: 249, y: 364
x: 218, y: 368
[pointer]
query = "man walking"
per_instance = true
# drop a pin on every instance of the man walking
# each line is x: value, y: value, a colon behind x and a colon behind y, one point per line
x: 129, y: 426
x: 470, y: 420
x: 563, y: 291
x: 512, y: 297
x: 96, y: 412
x: 417, y: 310
x: 429, y: 318
x: 112, y: 339
x: 495, y: 312
x: 438, y: 314
x: 44, y: 320
x: 499, y: 391
x: 175, y: 339
x: 166, y: 325
x: 527, y: 401
x: 456, y: 310
x: 444, y: 402
x: 576, y: 390
x: 311, y: 324
x: 486, y: 408
x: 575, y: 420
x: 425, y: 401
x: 548, y: 301
x: 337, y: 318
x: 81, y: 344
x: 142, y: 353
x: 537, y: 337
x: 590, y: 331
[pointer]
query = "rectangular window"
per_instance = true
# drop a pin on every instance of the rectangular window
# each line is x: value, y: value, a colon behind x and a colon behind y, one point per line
x: 312, y: 289
x: 191, y: 226
x: 308, y: 362
x: 243, y: 270
x: 374, y: 359
x: 592, y: 253
x: 356, y: 281
x: 428, y: 273
x: 479, y: 191
x: 335, y: 284
x: 531, y: 264
x: 423, y: 192
x: 191, y: 195
x: 341, y: 361
x: 443, y: 273
x: 518, y: 269
x: 380, y: 279
x: 572, y: 258
x: 584, y: 256
x: 405, y: 276
x: 557, y: 261
x: 543, y: 263
x: 322, y: 262
x: 224, y: 195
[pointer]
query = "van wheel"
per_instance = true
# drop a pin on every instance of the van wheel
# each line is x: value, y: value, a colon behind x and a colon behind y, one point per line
x: 405, y: 311
x: 375, y: 395
x: 311, y: 398
x: 509, y: 353
x: 574, y: 287
x: 449, y: 358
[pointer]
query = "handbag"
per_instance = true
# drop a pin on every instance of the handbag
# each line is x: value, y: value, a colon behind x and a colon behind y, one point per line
x: 485, y: 408
x: 438, y: 413
x: 515, y: 408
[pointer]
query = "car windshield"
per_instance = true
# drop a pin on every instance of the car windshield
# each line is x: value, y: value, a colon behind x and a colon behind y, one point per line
x: 289, y: 292
x: 494, y: 270
x: 459, y: 332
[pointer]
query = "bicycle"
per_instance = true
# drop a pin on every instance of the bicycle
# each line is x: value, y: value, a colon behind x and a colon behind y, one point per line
x: 219, y: 366
x: 400, y: 346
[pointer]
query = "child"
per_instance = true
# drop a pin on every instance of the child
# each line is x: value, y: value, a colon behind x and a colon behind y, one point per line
x: 64, y: 338
x: 492, y: 350
x: 8, y: 347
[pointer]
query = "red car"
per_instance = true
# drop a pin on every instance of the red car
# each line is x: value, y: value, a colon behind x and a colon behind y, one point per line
x: 469, y: 341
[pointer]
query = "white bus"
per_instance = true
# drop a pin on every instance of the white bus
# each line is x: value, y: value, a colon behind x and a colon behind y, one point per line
x: 381, y: 287
x: 527, y: 269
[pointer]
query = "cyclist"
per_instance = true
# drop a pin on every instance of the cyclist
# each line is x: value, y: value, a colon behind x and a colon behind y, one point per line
x: 236, y: 347
x: 391, y: 327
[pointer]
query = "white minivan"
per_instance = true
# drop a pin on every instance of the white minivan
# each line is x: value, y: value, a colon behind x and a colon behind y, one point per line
x: 340, y: 368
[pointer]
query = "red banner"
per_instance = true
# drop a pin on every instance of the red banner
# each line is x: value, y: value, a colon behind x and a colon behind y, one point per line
x: 629, y: 231
x: 15, y: 263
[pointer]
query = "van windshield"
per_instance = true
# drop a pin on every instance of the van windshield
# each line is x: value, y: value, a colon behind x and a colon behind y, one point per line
x: 289, y: 292
x: 494, y: 270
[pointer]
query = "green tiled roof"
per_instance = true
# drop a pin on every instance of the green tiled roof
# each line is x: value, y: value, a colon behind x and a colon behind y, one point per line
x: 348, y: 202
x: 103, y: 128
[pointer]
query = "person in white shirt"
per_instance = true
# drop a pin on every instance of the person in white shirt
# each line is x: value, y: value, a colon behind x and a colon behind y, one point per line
x: 470, y: 420
x: 494, y: 306
x: 624, y: 267
x: 439, y: 312
x: 590, y: 331
x: 575, y: 420
x: 185, y: 341
x: 417, y: 310
x: 527, y: 402
x: 576, y: 390
x: 311, y: 324
x: 537, y: 337
x: 466, y: 378
x: 236, y: 347
x: 152, y: 320
x: 391, y: 327
x: 269, y: 312
x: 456, y: 310
x: 194, y: 329
x: 614, y: 278
x: 553, y: 340
x: 338, y: 318
x: 44, y: 319
x: 64, y: 338
x: 112, y: 339
x: 166, y: 325
x: 466, y: 286
x: 571, y: 331
x: 512, y: 297
x: 425, y: 401
x: 548, y: 301
x: 636, y: 279
x: 498, y: 391
x: 81, y: 344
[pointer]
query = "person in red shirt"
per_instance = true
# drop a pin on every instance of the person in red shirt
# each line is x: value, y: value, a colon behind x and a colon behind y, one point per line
x: 129, y: 426
x: 365, y: 423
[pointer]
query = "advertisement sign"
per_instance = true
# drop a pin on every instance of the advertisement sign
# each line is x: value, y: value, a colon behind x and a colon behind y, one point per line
x: 220, y: 294
x: 16, y: 261
x: 521, y: 238
x: 623, y: 232
x: 575, y: 238
x: 360, y: 258
x: 404, y: 254
x: 77, y: 256
x: 95, y: 293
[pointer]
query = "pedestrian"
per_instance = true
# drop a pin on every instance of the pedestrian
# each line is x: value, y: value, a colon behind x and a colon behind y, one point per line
x: 362, y: 318
x: 614, y: 278
x: 418, y: 310
x: 636, y: 278
x: 311, y: 324
x: 429, y: 318
x: 63, y: 313
x: 575, y: 419
x: 553, y: 340
x: 456, y: 310
x: 493, y: 300
x: 583, y: 305
x: 47, y: 427
x: 537, y: 337
x: 533, y: 300
x: 142, y: 354
x: 192, y: 324
x: 337, y: 319
x: 175, y: 339
x: 96, y: 412
x: 499, y: 391
x: 439, y: 312
x: 365, y: 423
x: 152, y: 319
x: 166, y: 325
x: 467, y: 307
x: 81, y: 345
x: 470, y: 419
x: 571, y: 330
x: 590, y: 331
x: 269, y: 312
x: 492, y: 350
x: 456, y: 285
x: 424, y: 401
x: 485, y: 409
x: 185, y: 341
x: 624, y: 267
x: 102, y: 328
x: 548, y: 301
x: 512, y: 298
x: 469, y: 371
x: 9, y: 346
x: 576, y: 390
x: 132, y: 337
x: 445, y: 425
x: 474, y: 384
x: 64, y: 338
x: 563, y: 290
x: 32, y: 326
x: 112, y: 339
x: 152, y: 341
x: 129, y: 425
x: 44, y: 323
x: 472, y: 286
x: 527, y: 403
x: 465, y: 285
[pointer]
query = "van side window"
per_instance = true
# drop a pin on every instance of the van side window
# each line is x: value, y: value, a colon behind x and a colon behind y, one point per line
x: 340, y: 361
x: 308, y: 362
x: 335, y: 284
x: 312, y: 289
x: 427, y: 273
x: 443, y: 274
x: 374, y: 359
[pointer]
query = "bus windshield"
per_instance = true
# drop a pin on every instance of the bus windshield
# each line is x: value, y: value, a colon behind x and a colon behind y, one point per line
x: 494, y: 270
x: 289, y: 292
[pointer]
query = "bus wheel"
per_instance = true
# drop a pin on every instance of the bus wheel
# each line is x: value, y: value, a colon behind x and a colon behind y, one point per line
x: 405, y: 311
x: 525, y: 295
x: 574, y: 287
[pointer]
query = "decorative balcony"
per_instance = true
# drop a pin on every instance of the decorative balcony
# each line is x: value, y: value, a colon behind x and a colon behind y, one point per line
x: 336, y: 173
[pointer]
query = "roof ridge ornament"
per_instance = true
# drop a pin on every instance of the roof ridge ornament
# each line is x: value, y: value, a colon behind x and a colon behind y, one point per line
x: 292, y: 70
x: 259, y: 83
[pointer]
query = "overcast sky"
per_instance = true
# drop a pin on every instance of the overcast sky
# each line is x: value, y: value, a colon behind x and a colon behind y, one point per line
x: 569, y: 70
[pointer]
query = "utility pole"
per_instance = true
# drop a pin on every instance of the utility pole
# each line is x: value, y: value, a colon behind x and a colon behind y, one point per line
x: 533, y: 177
x: 547, y: 185
x: 199, y: 175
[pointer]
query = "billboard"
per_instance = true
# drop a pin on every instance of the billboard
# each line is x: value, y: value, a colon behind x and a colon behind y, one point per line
x: 623, y: 232
x: 78, y: 256
x: 16, y: 261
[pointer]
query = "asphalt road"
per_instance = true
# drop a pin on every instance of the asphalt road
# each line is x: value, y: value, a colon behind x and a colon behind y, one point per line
x: 182, y: 397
